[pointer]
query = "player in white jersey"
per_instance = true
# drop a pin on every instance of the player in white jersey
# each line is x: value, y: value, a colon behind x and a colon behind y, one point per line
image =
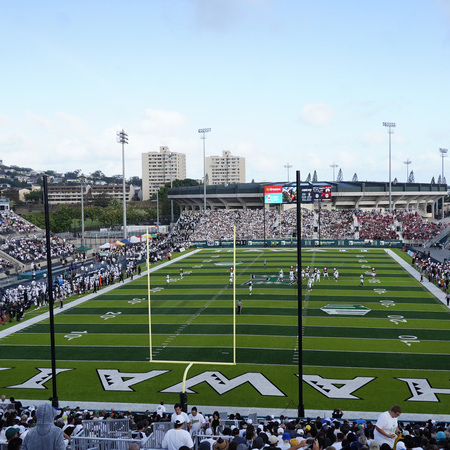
x: 291, y: 277
x: 374, y: 272
x: 318, y: 275
x: 335, y: 274
x: 361, y: 280
x: 310, y: 282
x: 280, y: 275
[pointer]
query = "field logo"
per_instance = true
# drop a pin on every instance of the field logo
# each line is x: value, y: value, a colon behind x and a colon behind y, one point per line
x: 221, y: 384
x: 380, y: 291
x: 267, y: 279
x: 422, y: 391
x: 38, y: 381
x: 113, y: 380
x: 346, y: 310
x: 336, y: 388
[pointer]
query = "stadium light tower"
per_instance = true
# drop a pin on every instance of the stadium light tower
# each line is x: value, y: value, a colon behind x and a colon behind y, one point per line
x: 407, y: 162
x: 334, y: 165
x: 287, y: 166
x: 122, y: 138
x: 82, y: 181
x: 390, y: 125
x: 444, y: 152
x: 203, y: 131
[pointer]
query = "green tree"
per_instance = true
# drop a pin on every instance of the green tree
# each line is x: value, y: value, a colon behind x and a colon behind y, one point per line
x: 61, y: 219
x: 12, y: 194
x: 34, y: 196
x: 37, y: 219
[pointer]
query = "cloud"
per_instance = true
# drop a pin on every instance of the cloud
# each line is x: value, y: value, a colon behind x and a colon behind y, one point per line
x: 160, y: 120
x: 68, y: 123
x: 40, y: 121
x: 317, y: 114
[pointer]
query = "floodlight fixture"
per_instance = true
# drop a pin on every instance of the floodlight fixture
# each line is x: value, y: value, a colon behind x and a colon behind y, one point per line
x: 122, y: 138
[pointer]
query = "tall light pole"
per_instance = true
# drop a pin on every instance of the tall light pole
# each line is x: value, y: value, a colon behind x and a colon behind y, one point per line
x: 287, y: 166
x: 171, y: 155
x: 122, y: 138
x: 444, y: 152
x: 407, y: 162
x: 390, y: 125
x: 334, y: 165
x: 82, y: 180
x: 157, y: 211
x: 203, y: 131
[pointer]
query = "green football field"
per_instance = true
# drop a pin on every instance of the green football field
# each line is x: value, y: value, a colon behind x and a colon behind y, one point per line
x: 364, y: 347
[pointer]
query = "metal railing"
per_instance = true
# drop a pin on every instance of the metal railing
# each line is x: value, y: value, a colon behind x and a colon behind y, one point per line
x: 116, y: 434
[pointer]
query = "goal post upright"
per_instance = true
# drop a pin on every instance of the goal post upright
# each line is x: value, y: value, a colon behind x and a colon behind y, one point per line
x: 149, y: 304
x: 189, y: 364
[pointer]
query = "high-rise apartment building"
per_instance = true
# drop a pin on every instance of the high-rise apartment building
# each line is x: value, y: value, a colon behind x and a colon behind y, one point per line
x: 161, y: 168
x: 225, y: 169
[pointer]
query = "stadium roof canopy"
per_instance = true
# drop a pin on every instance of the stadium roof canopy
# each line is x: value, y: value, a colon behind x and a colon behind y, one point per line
x: 345, y: 195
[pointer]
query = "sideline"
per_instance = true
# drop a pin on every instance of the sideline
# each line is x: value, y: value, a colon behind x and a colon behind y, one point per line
x: 39, y: 318
x: 415, y: 274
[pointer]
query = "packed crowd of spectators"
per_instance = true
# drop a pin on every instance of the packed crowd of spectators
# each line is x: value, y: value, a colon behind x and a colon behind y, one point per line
x: 33, y: 249
x: 376, y: 225
x: 216, y: 432
x: 10, y: 222
x: 336, y: 224
x: 289, y: 223
x: 185, y: 226
x: 111, y: 266
x: 250, y: 224
x: 414, y: 228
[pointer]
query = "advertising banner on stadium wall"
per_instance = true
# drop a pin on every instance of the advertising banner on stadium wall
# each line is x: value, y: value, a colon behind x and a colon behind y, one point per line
x: 393, y: 243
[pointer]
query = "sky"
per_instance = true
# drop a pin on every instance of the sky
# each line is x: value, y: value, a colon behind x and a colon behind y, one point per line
x: 301, y: 83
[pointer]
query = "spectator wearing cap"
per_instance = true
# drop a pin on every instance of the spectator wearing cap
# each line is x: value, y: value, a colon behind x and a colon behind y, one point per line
x: 11, y: 433
x: 273, y: 442
x: 221, y: 444
x: 177, y: 437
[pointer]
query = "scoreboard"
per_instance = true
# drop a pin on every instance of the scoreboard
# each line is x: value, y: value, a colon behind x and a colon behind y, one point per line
x: 287, y: 193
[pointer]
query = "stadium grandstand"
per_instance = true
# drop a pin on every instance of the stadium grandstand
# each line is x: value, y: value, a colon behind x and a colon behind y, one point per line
x: 357, y: 211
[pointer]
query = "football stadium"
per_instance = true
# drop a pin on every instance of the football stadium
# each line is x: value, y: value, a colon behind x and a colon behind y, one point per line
x: 231, y: 313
